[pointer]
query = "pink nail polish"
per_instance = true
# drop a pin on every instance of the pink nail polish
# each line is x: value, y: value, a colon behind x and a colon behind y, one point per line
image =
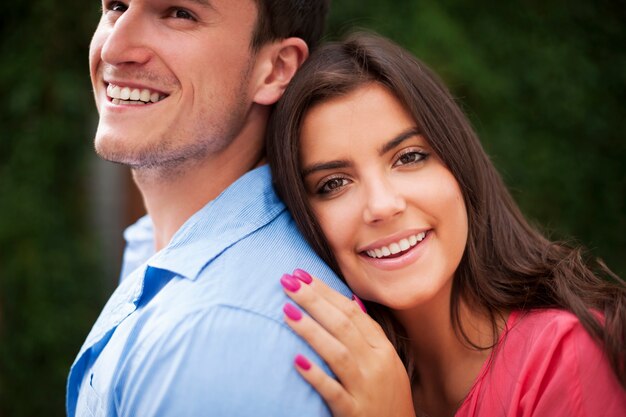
x: 292, y: 312
x: 302, y: 363
x: 303, y: 276
x: 290, y: 283
x: 359, y: 302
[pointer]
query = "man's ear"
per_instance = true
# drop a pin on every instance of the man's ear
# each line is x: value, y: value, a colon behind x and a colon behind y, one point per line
x: 276, y: 64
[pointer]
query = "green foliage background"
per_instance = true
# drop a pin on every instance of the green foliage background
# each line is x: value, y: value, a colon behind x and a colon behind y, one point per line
x: 50, y: 274
x: 544, y: 83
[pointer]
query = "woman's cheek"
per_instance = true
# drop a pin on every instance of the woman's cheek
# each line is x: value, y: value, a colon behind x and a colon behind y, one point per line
x: 336, y: 218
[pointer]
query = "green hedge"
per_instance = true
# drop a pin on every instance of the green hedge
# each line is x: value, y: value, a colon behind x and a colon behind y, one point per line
x: 50, y: 274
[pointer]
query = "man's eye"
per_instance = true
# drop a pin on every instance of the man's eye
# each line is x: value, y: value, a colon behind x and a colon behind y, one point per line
x: 116, y: 6
x: 332, y: 185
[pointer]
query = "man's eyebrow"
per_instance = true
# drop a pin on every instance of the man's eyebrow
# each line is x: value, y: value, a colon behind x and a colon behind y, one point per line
x: 409, y: 133
x: 322, y: 166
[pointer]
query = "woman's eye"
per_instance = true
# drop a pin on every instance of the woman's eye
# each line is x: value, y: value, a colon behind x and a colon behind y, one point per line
x: 182, y: 14
x: 332, y: 185
x: 410, y: 158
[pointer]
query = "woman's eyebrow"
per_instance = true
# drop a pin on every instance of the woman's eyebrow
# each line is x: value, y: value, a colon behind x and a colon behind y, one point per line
x: 322, y: 166
x: 391, y: 144
x: 409, y: 133
x: 204, y: 3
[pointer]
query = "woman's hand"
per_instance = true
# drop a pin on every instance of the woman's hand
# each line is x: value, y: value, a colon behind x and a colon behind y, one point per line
x: 371, y: 378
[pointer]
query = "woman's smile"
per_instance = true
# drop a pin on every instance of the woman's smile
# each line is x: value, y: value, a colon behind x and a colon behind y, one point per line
x: 398, y: 254
x: 394, y: 249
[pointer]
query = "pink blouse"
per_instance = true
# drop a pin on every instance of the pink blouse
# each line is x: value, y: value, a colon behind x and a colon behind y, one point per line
x: 546, y: 365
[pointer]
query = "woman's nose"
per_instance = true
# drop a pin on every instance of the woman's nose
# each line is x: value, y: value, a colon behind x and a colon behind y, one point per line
x: 383, y: 202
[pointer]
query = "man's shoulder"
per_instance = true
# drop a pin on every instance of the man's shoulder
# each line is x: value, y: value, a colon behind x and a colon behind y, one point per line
x: 244, y: 278
x: 224, y: 319
x: 247, y: 275
x: 229, y: 360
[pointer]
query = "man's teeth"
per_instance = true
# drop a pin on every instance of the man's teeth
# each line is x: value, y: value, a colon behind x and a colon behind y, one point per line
x: 127, y: 95
x: 396, y: 247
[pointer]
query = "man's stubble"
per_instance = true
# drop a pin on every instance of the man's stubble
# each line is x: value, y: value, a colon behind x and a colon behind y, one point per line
x: 175, y: 152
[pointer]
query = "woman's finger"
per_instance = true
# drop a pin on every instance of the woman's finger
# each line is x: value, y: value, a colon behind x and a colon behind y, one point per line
x: 371, y: 380
x: 338, y: 399
x: 318, y: 304
x: 333, y: 319
x: 341, y: 360
x: 363, y: 320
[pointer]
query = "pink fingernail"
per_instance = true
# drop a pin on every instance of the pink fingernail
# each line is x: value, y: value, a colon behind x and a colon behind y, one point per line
x: 292, y: 312
x: 290, y: 283
x: 359, y: 302
x: 303, y: 363
x: 303, y: 276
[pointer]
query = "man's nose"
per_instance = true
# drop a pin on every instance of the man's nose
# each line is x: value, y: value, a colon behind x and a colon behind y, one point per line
x: 129, y: 39
x: 383, y: 202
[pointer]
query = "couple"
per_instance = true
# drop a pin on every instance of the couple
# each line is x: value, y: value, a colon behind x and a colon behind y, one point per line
x: 475, y: 312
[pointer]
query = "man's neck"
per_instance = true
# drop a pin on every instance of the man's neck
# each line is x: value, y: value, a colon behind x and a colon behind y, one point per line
x: 170, y: 203
x: 171, y: 197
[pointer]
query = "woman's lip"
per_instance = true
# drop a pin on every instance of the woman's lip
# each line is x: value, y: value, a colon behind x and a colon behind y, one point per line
x: 393, y: 239
x: 406, y: 258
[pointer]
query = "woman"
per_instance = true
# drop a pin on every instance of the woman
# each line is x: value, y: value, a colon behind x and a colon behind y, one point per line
x: 390, y: 185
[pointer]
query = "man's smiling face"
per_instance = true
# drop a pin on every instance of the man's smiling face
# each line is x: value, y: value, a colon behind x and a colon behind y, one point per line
x: 171, y: 79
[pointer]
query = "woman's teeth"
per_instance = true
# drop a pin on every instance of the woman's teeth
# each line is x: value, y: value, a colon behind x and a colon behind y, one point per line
x: 127, y: 95
x: 396, y: 247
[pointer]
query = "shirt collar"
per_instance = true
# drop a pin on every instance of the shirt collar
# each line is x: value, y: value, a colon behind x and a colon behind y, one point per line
x: 244, y: 207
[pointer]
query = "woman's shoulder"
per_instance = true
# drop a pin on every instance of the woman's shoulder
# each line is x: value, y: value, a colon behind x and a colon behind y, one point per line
x: 553, y: 365
x: 549, y: 337
x: 529, y: 320
x: 544, y: 324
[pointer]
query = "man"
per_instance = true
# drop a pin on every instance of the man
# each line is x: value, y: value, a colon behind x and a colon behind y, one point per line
x: 184, y: 90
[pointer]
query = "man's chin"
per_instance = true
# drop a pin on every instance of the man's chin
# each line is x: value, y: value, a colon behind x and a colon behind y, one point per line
x: 118, y: 153
x: 119, y: 156
x: 147, y: 163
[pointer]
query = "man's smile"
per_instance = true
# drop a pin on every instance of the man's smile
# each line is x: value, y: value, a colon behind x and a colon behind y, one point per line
x: 134, y: 96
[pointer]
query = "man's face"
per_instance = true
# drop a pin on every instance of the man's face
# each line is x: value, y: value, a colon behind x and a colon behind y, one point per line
x: 171, y: 78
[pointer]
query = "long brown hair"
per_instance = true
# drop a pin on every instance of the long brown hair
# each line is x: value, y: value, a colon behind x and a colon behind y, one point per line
x: 507, y: 264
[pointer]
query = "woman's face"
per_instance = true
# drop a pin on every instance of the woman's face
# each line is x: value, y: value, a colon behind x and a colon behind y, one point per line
x: 391, y: 211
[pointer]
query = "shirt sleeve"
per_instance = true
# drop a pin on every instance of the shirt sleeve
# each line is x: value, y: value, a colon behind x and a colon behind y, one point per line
x: 224, y: 362
x: 569, y: 375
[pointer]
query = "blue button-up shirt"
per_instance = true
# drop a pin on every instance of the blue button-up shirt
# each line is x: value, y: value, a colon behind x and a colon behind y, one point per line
x: 197, y: 329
